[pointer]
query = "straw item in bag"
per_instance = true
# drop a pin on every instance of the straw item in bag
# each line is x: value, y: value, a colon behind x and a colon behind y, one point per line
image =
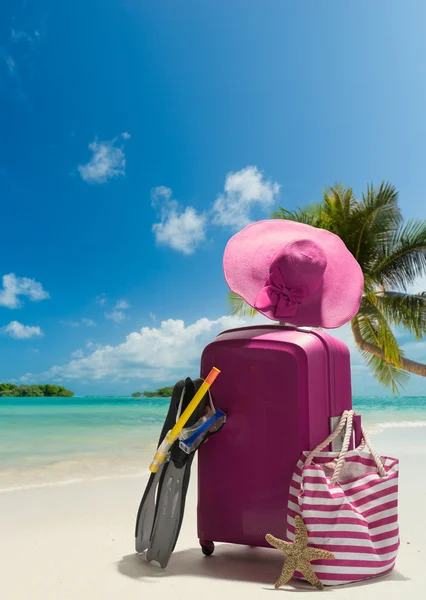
x: 348, y: 502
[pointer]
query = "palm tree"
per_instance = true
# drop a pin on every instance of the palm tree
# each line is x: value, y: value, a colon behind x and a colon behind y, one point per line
x: 392, y: 255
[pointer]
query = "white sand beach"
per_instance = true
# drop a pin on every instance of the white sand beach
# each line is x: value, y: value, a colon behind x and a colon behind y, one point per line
x: 75, y: 541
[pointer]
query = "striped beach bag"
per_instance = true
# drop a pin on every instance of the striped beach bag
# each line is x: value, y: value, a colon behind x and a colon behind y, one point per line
x: 349, y: 504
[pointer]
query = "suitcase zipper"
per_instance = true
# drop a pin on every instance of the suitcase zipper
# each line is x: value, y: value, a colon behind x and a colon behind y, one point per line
x: 331, y: 369
x: 334, y: 419
x: 337, y: 443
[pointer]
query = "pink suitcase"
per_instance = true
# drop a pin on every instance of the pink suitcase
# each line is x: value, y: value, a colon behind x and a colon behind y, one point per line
x: 280, y: 388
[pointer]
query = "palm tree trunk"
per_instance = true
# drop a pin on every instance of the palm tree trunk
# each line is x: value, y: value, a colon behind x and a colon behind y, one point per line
x: 406, y: 364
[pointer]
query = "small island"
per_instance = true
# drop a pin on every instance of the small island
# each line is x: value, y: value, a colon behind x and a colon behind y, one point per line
x: 164, y: 392
x: 14, y: 391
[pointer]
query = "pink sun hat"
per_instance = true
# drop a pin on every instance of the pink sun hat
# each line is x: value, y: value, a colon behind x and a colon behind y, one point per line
x: 295, y: 273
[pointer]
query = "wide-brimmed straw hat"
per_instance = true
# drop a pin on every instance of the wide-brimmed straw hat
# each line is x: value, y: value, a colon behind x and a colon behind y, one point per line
x: 295, y: 273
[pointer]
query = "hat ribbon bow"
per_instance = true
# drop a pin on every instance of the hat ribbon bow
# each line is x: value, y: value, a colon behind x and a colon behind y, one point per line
x: 276, y: 294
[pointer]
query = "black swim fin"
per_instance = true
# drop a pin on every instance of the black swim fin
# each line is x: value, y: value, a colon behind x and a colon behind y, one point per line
x: 146, y: 512
x: 173, y: 488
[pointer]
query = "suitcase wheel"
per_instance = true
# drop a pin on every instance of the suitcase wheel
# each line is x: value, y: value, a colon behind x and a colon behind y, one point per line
x: 207, y: 548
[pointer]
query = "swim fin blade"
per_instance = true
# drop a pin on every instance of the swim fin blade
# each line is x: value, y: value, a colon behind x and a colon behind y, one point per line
x: 172, y: 490
x: 146, y: 513
x: 147, y: 508
x: 171, y: 504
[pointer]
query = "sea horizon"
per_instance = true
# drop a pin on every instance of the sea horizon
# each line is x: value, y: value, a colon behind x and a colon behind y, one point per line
x: 48, y: 440
x: 168, y: 397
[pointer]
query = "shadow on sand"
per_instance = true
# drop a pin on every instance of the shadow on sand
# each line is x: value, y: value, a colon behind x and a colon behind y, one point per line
x: 232, y: 563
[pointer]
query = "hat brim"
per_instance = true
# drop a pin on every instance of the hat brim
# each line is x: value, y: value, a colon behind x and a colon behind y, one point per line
x: 249, y: 254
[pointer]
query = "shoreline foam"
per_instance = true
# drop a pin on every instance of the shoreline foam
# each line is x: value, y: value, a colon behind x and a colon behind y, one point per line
x: 399, y: 424
x: 67, y: 482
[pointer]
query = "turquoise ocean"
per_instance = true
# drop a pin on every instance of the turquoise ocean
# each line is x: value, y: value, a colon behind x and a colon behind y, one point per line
x: 50, y: 440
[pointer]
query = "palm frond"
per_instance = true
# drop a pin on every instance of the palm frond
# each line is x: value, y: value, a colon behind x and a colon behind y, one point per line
x: 403, y: 310
x: 338, y: 203
x: 376, y: 330
x: 375, y: 220
x: 300, y: 216
x: 339, y: 200
x: 405, y: 258
x: 380, y: 208
x: 239, y: 307
x: 385, y: 373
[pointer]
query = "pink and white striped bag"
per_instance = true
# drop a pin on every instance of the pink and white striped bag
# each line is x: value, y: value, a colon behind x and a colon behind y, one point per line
x: 349, y: 504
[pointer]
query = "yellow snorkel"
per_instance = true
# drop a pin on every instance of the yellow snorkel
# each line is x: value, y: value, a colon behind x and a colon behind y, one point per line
x: 171, y: 437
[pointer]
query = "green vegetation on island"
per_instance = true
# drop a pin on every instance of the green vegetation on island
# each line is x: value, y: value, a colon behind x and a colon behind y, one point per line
x: 14, y: 391
x: 164, y: 392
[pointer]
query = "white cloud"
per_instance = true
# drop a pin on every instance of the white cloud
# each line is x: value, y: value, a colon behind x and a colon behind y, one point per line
x: 161, y: 353
x: 88, y: 322
x: 84, y: 321
x: 244, y: 191
x: 159, y: 194
x: 9, y: 62
x: 115, y: 315
x: 92, y: 346
x: 182, y: 230
x: 70, y: 323
x: 21, y: 332
x: 77, y: 353
x: 18, y: 35
x: 108, y: 161
x: 122, y: 305
x: 101, y: 299
x: 126, y: 135
x: 20, y: 286
x: 13, y: 73
x: 172, y: 350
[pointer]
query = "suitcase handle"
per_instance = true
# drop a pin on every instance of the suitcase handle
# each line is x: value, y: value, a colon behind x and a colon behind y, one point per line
x: 356, y: 439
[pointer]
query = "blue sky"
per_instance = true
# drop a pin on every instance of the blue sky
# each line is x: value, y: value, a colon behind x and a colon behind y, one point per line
x: 127, y: 125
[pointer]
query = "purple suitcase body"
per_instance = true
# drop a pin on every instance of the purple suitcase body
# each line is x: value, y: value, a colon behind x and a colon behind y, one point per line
x: 279, y: 386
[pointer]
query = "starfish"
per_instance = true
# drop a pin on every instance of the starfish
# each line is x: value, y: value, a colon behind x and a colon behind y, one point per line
x: 298, y: 556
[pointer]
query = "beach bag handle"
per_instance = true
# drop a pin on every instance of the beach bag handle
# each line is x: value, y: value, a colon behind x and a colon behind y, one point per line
x: 346, y: 420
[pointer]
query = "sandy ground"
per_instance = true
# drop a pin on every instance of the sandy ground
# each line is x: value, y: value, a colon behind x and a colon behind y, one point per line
x: 74, y: 542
